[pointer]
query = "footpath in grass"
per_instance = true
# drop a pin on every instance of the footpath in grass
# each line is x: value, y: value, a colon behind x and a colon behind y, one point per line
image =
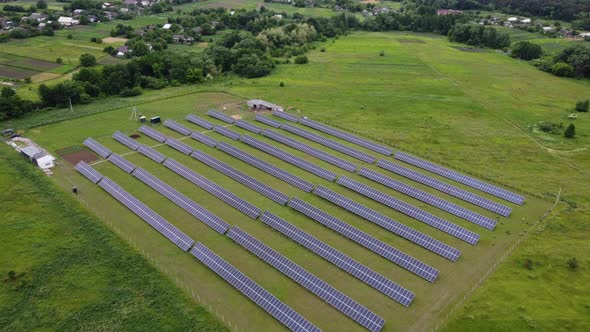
x: 62, y: 270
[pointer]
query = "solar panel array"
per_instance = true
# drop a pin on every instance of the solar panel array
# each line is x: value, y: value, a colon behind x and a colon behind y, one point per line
x: 200, y: 121
x: 433, y: 200
x: 242, y: 178
x: 154, y: 134
x: 248, y: 126
x: 178, y: 145
x: 177, y: 127
x: 329, y: 143
x: 266, y: 167
x: 323, y: 290
x: 347, y: 137
x: 391, y: 225
x: 220, y: 116
x: 214, y: 189
x: 203, y: 139
x: 172, y: 233
x: 181, y: 200
x: 268, y: 121
x: 280, y: 311
x: 291, y: 159
x: 339, y: 259
x: 474, y: 199
x: 89, y: 172
x: 331, y: 159
x: 151, y: 153
x: 122, y: 163
x: 97, y: 147
x: 226, y: 132
x: 410, y: 210
x: 381, y: 248
x: 286, y: 116
x: 461, y: 178
x: 126, y: 140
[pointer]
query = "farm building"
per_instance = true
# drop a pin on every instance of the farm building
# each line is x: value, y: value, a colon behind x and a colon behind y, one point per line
x: 38, y: 157
x: 258, y: 104
x: 67, y: 21
x: 122, y: 51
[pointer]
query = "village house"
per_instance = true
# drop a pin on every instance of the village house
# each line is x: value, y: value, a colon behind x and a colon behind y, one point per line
x: 123, y: 51
x: 448, y: 12
x: 67, y: 21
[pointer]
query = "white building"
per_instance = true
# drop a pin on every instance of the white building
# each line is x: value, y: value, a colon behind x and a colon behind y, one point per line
x: 525, y: 20
x: 512, y: 19
x: 166, y: 26
x: 67, y: 21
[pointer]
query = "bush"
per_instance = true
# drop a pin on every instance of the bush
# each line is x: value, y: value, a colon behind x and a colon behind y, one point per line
x: 382, y: 53
x: 572, y: 263
x: 87, y: 60
x: 582, y: 105
x: 70, y: 36
x: 544, y: 64
x: 59, y: 60
x: 526, y: 50
x: 570, y: 131
x: 323, y: 49
x: 109, y: 49
x: 281, y: 84
x: 136, y: 91
x: 528, y: 264
x: 301, y: 59
x: 562, y: 69
x: 549, y: 127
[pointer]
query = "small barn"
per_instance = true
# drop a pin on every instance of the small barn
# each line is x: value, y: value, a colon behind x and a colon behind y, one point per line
x: 38, y: 157
x: 261, y: 105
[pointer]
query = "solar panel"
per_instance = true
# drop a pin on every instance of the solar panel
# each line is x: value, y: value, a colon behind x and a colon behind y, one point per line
x: 248, y: 126
x: 266, y: 167
x: 177, y: 127
x: 291, y: 159
x: 267, y: 121
x: 347, y: 137
x: 154, y: 134
x: 151, y: 153
x: 182, y: 201
x: 97, y: 147
x: 280, y: 311
x: 317, y: 286
x: 126, y: 140
x: 410, y: 210
x: 214, y: 189
x: 172, y: 233
x: 427, y: 198
x: 339, y: 259
x: 461, y: 178
x: 220, y: 116
x: 226, y: 132
x: 200, y: 121
x: 338, y: 162
x: 242, y: 178
x: 203, y: 139
x: 379, y: 247
x: 178, y: 145
x: 89, y: 172
x: 286, y: 116
x: 122, y: 163
x: 329, y: 143
x: 441, y: 186
x: 389, y: 224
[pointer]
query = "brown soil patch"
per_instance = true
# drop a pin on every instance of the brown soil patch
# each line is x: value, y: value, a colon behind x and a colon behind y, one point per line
x: 74, y: 158
x: 41, y: 65
x: 16, y: 73
x: 236, y: 116
x: 43, y: 77
x: 411, y: 41
x: 111, y: 40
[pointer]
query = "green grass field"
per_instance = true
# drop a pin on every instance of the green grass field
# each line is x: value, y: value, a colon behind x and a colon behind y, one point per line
x: 255, y: 4
x: 551, y: 46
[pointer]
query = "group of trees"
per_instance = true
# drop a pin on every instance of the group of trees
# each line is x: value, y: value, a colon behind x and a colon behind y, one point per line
x: 478, y: 35
x: 12, y: 105
x: 572, y: 61
x: 553, y: 9
x: 526, y: 50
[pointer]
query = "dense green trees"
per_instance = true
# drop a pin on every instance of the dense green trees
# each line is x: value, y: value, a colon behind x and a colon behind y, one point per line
x: 526, y: 50
x: 87, y: 60
x: 570, y: 131
x: 572, y: 61
x: 478, y: 35
x: 11, y: 105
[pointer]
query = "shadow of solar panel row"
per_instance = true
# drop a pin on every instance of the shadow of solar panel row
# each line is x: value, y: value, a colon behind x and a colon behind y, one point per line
x: 379, y: 247
x: 227, y: 132
x: 306, y: 279
x: 199, y: 121
x: 182, y: 201
x: 89, y: 172
x: 410, y: 210
x: 177, y: 127
x: 151, y: 153
x: 126, y: 140
x: 172, y: 233
x: 154, y: 134
x: 214, y: 189
x: 220, y: 116
x: 329, y: 143
x: 389, y: 224
x: 339, y: 259
x: 242, y: 178
x: 248, y: 126
x: 266, y: 167
x: 203, y: 139
x: 461, y: 178
x: 345, y: 165
x: 122, y: 163
x: 427, y: 198
x: 291, y: 159
x: 465, y: 195
x: 347, y: 137
x: 179, y: 146
x: 97, y: 147
x: 280, y: 311
x: 268, y: 121
x: 286, y: 116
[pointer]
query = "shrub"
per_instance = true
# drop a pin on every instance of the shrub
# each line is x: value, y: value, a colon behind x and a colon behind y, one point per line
x: 570, y: 131
x: 109, y: 49
x: 582, y: 105
x: 528, y: 264
x: 28, y: 80
x: 87, y: 60
x: 59, y: 60
x: 136, y: 91
x: 70, y: 36
x: 526, y: 50
x: 323, y: 49
x: 282, y: 84
x: 382, y: 53
x: 549, y: 127
x: 562, y: 69
x: 572, y: 263
x: 301, y: 59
